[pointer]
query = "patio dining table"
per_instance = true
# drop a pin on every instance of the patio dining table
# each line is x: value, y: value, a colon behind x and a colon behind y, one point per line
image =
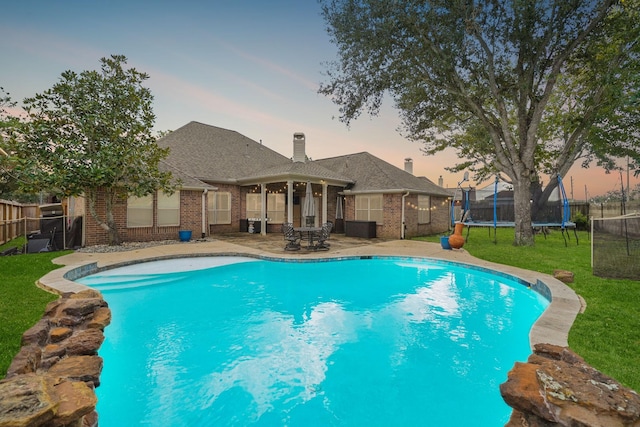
x: 310, y: 233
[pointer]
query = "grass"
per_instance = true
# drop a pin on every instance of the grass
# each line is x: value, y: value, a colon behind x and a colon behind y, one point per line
x: 22, y: 303
x: 607, y: 334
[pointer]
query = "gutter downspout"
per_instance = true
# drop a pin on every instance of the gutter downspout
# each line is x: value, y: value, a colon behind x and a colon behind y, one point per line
x: 204, y: 212
x: 402, y: 222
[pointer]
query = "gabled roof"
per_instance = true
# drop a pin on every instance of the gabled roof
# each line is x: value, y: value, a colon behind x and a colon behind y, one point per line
x: 214, y: 154
x: 187, y: 182
x: 372, y: 174
x: 298, y: 171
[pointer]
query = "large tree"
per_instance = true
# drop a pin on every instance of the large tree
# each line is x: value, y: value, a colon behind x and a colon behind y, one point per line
x: 8, y: 182
x: 91, y: 134
x: 486, y: 76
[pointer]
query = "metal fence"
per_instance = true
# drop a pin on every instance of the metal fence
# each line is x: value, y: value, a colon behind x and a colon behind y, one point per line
x: 615, y: 246
x: 613, y: 209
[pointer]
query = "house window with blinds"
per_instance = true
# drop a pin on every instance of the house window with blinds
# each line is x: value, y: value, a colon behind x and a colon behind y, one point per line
x: 168, y: 209
x: 254, y: 205
x: 219, y: 207
x: 140, y: 211
x: 424, y: 209
x: 276, y: 208
x: 369, y: 208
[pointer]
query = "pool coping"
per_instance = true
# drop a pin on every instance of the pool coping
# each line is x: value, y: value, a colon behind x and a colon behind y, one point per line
x: 552, y: 326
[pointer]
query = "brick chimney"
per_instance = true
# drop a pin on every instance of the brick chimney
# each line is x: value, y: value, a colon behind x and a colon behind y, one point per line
x: 299, y: 154
x: 408, y: 165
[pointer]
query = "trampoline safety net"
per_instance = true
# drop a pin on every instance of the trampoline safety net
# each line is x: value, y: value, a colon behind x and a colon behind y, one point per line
x: 615, y: 247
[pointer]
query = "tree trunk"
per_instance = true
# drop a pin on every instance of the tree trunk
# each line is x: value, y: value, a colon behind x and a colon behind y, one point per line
x: 522, y: 209
x: 112, y: 230
x: 541, y: 199
x: 108, y: 224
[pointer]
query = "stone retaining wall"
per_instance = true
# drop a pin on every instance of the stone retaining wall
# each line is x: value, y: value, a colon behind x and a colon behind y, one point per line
x: 556, y: 387
x: 51, y: 380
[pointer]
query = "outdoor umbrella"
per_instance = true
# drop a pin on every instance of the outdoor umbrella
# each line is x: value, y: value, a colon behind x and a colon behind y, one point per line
x: 339, y: 225
x: 339, y: 208
x: 309, y: 206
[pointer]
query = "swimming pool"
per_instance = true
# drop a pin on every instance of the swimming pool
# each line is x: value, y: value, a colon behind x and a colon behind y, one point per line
x: 351, y: 342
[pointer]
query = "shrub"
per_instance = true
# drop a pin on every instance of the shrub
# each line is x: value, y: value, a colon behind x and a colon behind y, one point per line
x: 581, y: 220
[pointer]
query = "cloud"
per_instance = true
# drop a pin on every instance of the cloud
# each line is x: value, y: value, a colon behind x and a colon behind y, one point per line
x: 181, y: 90
x: 265, y: 63
x: 50, y: 48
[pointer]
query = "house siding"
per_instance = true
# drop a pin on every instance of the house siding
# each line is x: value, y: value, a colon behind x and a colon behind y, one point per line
x: 237, y: 208
x: 191, y: 216
x: 438, y: 223
x: 190, y: 219
x: 391, y: 227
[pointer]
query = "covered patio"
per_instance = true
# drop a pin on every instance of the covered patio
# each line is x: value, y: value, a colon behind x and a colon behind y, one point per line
x: 281, y: 193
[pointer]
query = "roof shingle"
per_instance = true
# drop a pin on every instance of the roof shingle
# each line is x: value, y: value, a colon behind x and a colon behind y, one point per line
x: 215, y: 154
x: 371, y: 173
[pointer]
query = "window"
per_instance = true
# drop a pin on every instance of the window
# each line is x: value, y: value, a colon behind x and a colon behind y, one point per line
x: 275, y: 208
x: 369, y: 208
x: 168, y: 209
x: 424, y: 209
x: 140, y: 211
x: 254, y: 205
x: 219, y: 207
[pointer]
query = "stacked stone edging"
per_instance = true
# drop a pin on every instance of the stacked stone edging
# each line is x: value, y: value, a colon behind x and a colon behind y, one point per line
x: 52, y: 379
x: 556, y: 387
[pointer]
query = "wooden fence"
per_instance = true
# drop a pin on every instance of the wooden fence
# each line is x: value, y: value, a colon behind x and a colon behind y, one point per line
x: 17, y: 220
x: 34, y: 221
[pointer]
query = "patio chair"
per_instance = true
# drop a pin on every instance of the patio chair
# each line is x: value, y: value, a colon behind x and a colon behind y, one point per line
x: 291, y: 237
x: 323, y: 236
x: 37, y: 245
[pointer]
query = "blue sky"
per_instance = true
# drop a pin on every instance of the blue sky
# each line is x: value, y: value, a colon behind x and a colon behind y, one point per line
x: 247, y: 65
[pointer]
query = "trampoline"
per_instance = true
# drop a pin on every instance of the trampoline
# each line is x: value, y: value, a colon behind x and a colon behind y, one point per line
x: 500, y: 213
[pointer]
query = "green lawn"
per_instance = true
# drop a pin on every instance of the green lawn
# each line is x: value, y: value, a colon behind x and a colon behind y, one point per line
x: 607, y: 335
x: 21, y: 301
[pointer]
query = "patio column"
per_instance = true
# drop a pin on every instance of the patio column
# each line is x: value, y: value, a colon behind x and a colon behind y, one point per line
x: 263, y: 209
x: 290, y: 201
x: 324, y: 202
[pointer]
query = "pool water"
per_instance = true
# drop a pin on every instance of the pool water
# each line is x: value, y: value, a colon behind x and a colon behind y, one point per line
x: 232, y: 341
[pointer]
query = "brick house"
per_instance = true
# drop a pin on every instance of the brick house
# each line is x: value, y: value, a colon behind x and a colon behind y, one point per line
x: 230, y: 182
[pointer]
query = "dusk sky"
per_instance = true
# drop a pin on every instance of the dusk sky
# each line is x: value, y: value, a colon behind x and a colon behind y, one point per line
x: 247, y: 65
